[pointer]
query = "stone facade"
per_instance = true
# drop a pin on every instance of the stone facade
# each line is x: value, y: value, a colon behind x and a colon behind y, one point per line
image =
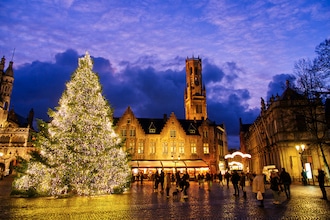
x: 195, y: 138
x: 15, y: 130
x: 273, y: 138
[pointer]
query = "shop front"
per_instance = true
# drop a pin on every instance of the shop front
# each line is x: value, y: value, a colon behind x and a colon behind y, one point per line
x: 149, y: 167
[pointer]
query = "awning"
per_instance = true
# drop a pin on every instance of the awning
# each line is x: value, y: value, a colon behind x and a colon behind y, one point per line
x: 195, y: 163
x: 149, y: 164
x: 173, y: 164
x: 133, y: 164
x: 167, y: 163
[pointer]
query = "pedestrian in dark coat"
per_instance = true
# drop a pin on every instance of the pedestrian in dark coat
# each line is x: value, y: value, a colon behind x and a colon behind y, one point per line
x: 184, y: 184
x: 286, y: 181
x: 161, y: 180
x: 242, y: 181
x: 220, y: 178
x: 275, y: 187
x: 235, y: 179
x: 156, y: 181
x: 167, y: 183
x: 321, y: 178
x: 208, y: 179
x: 227, y: 177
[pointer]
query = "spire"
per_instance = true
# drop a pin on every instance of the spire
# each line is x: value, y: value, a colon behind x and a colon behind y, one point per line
x: 2, y: 64
x: 9, y: 71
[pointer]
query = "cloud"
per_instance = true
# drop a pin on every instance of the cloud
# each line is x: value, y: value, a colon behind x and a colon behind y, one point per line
x: 278, y: 84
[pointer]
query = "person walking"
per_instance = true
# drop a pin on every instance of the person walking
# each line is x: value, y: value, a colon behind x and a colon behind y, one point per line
x: 286, y: 181
x: 177, y: 179
x: 200, y: 178
x: 235, y: 179
x: 209, y: 181
x: 258, y: 187
x: 167, y: 184
x: 185, y: 185
x: 141, y: 177
x: 156, y: 181
x: 242, y: 183
x: 161, y: 180
x: 321, y: 178
x: 220, y: 179
x: 227, y: 177
x: 275, y: 187
x: 304, y: 177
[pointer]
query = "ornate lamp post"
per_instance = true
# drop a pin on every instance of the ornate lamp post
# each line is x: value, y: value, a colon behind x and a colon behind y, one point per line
x: 175, y: 161
x: 300, y: 149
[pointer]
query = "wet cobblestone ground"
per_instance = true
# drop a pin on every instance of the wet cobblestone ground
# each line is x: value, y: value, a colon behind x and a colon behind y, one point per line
x: 140, y: 202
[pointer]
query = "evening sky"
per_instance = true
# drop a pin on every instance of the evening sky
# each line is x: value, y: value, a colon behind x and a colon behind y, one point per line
x: 248, y: 50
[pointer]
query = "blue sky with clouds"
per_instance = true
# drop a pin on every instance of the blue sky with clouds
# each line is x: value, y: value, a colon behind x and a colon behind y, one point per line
x: 248, y: 50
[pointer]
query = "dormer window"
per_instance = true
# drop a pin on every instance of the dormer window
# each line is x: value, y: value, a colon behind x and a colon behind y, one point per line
x: 152, y: 128
x: 191, y: 129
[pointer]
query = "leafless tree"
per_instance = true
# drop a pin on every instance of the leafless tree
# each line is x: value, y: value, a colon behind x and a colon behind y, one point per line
x: 313, y: 80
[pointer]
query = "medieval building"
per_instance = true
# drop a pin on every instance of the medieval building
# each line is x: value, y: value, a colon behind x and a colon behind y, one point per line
x: 15, y: 130
x: 281, y: 137
x: 194, y: 144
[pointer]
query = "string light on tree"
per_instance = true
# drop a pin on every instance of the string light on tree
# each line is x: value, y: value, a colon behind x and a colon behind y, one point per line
x: 78, y: 152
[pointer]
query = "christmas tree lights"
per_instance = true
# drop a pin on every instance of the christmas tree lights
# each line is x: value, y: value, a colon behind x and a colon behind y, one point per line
x: 78, y: 152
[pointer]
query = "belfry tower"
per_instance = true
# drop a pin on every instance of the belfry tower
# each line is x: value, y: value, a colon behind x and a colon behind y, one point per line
x: 195, y: 94
x: 6, y: 87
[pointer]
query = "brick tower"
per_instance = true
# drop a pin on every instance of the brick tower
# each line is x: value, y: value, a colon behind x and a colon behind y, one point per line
x: 195, y: 94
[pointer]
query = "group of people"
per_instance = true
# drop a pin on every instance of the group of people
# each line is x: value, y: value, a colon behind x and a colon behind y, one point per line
x: 279, y: 182
x: 165, y: 181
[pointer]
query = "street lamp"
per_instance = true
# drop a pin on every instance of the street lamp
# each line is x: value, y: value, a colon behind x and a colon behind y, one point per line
x: 175, y: 161
x: 300, y: 149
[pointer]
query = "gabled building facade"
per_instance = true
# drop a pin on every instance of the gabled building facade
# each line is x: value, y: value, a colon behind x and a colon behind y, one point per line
x: 279, y: 137
x: 193, y: 144
x: 15, y: 131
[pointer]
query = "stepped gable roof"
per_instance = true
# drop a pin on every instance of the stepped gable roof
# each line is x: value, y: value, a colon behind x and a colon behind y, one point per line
x: 291, y: 94
x: 190, y: 126
x: 152, y: 125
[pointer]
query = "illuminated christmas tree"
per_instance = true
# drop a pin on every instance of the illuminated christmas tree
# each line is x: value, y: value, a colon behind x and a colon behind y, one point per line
x: 78, y: 152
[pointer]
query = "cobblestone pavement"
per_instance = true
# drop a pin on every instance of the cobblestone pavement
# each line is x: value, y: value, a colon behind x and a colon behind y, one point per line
x: 140, y: 202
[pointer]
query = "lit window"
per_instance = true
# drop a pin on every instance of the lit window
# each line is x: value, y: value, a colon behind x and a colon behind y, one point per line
x: 206, y: 148
x: 140, y: 148
x: 123, y: 132
x: 132, y: 133
x: 165, y: 150
x: 132, y: 147
x: 181, y: 148
x: 152, y: 147
x: 205, y: 134
x: 193, y: 148
x: 173, y: 150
